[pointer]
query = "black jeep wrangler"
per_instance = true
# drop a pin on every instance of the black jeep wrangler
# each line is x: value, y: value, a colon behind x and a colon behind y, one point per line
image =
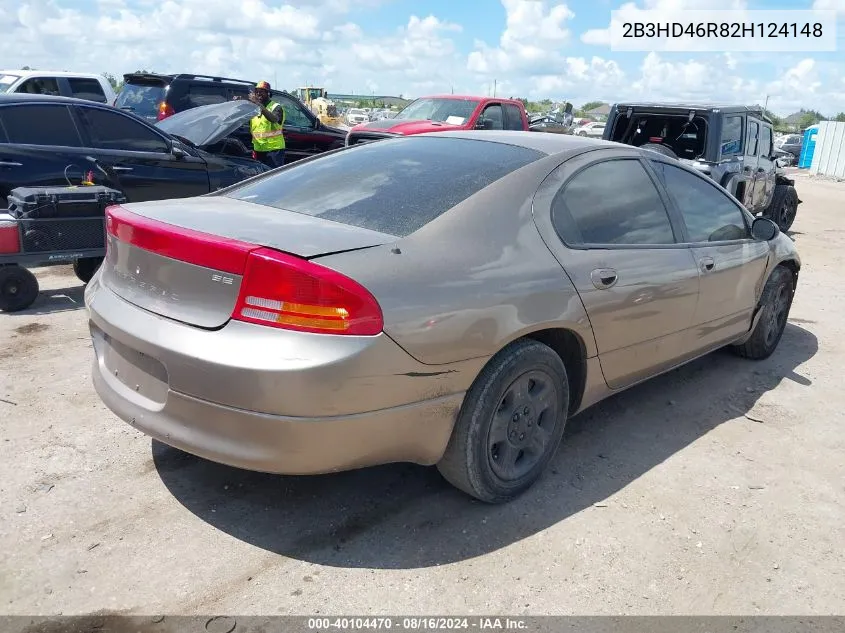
x: 730, y: 144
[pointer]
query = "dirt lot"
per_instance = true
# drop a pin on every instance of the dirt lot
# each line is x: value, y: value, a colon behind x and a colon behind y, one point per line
x: 716, y: 489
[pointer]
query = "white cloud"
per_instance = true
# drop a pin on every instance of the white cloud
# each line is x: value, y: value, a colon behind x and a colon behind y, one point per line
x: 323, y: 42
x: 534, y: 30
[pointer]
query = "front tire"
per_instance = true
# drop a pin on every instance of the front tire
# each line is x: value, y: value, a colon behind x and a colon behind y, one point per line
x: 510, y: 425
x: 774, y: 305
x: 18, y: 288
x: 784, y: 207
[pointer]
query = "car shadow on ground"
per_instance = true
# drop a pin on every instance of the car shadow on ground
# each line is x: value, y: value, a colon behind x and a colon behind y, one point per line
x: 404, y: 516
x: 51, y: 301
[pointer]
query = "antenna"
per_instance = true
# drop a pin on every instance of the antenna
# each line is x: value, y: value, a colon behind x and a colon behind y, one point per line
x: 494, y: 87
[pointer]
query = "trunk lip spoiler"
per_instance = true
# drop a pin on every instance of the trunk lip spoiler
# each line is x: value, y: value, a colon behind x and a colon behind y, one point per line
x: 208, y: 250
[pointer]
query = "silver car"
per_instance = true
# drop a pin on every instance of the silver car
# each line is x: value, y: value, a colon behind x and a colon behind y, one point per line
x: 447, y: 299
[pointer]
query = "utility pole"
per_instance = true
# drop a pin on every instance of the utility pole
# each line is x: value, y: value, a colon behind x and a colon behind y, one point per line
x: 766, y: 107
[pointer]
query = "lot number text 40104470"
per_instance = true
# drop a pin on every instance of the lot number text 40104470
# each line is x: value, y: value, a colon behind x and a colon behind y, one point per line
x: 723, y: 31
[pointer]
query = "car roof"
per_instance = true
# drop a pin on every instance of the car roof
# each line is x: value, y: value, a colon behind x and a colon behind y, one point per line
x: 51, y: 73
x: 538, y: 141
x: 724, y: 107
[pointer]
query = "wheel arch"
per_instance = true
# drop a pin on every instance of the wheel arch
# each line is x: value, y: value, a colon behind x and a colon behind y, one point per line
x: 572, y: 351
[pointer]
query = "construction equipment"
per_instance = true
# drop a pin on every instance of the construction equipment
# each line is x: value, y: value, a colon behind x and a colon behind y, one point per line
x: 317, y: 100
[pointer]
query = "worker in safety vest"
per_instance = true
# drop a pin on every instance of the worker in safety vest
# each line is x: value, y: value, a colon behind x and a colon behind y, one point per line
x: 268, y: 138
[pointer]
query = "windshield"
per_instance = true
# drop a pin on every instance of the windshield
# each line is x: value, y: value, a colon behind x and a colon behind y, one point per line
x: 454, y: 111
x: 6, y: 82
x: 141, y: 99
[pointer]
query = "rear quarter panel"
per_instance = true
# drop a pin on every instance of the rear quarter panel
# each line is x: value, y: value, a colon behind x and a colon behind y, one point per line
x: 474, y: 279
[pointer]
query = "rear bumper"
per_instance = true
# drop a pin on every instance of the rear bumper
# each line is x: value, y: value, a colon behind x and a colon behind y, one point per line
x: 270, y: 400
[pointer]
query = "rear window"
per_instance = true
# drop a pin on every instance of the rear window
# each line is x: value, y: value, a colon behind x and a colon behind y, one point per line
x: 394, y: 187
x: 141, y: 99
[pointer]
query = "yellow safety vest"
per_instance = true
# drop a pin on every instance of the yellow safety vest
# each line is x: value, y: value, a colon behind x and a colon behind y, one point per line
x: 266, y: 135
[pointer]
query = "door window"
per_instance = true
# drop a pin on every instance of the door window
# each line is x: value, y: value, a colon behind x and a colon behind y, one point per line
x: 709, y: 214
x: 612, y: 202
x: 113, y: 130
x: 294, y: 115
x: 751, y: 139
x: 89, y: 89
x: 40, y: 86
x: 40, y: 125
x: 731, y: 135
x: 494, y: 113
x: 514, y: 117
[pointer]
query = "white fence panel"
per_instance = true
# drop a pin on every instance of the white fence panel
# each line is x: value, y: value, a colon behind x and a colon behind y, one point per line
x: 829, y: 154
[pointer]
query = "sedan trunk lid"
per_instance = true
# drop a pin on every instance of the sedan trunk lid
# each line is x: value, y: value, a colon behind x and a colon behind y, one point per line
x: 185, y: 259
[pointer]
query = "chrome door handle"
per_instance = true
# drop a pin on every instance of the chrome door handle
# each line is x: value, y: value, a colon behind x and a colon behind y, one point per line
x: 707, y: 264
x: 604, y: 278
x: 8, y: 163
x: 122, y: 168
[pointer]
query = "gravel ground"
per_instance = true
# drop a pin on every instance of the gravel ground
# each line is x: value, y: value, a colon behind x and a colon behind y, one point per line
x: 716, y: 489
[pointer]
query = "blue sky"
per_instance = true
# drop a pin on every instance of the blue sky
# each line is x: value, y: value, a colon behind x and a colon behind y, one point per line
x: 532, y: 48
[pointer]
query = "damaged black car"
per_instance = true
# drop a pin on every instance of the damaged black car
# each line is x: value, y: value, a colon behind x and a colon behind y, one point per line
x: 53, y: 141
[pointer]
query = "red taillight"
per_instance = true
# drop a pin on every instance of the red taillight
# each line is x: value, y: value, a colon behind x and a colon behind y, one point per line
x: 9, y: 240
x: 165, y: 110
x: 283, y: 291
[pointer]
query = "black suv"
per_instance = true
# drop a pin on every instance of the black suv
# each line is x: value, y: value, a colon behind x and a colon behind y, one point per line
x: 155, y: 97
x: 731, y: 144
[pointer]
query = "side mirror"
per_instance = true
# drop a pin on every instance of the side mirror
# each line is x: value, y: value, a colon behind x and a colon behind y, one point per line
x: 764, y: 230
x: 177, y: 152
x: 484, y: 124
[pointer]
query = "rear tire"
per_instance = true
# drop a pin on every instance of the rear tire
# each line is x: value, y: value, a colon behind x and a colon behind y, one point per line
x: 510, y: 425
x: 660, y: 149
x: 784, y: 207
x: 85, y: 267
x: 774, y: 305
x: 18, y: 288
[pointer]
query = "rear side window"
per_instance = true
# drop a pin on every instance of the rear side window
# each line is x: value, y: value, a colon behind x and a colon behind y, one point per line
x: 199, y: 95
x: 514, y: 117
x: 89, y: 89
x: 394, y: 187
x: 40, y: 125
x: 113, y: 130
x: 141, y: 99
x: 612, y: 202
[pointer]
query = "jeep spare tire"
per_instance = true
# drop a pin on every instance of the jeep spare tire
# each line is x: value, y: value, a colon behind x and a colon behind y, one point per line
x: 660, y: 149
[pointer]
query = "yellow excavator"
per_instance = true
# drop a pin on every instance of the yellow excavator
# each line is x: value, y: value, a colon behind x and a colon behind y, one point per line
x: 317, y: 100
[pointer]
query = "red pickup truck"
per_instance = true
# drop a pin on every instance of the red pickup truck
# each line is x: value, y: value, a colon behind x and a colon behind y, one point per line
x: 443, y: 113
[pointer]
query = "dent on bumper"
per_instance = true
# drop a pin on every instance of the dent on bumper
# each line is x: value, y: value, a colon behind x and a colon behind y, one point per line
x: 271, y: 400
